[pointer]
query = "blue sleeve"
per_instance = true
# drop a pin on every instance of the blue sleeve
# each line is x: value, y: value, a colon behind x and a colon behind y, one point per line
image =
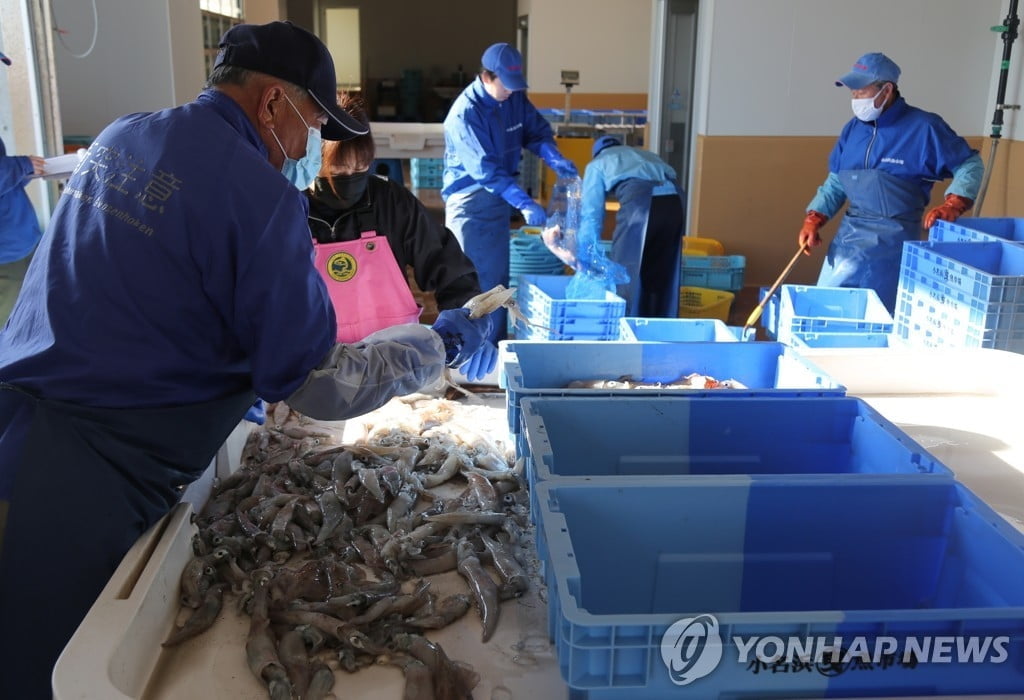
x: 14, y: 172
x: 829, y: 198
x: 537, y: 129
x: 283, y: 316
x: 592, y: 204
x: 479, y: 155
x: 967, y: 178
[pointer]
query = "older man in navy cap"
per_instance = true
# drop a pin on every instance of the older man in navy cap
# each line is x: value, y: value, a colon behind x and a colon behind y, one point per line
x: 173, y: 284
x: 485, y: 131
x: 885, y: 162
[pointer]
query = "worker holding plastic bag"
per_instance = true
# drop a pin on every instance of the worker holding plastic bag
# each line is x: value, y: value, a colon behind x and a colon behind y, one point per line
x: 485, y: 132
x: 595, y: 274
x: 646, y: 245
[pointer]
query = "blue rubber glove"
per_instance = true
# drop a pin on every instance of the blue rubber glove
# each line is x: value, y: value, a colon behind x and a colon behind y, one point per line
x: 562, y: 166
x: 462, y: 335
x: 257, y: 413
x: 482, y: 363
x: 533, y: 213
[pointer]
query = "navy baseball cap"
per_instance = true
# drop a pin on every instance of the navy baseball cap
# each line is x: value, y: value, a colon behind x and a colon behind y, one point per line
x: 291, y: 53
x: 507, y: 62
x: 870, y: 68
x: 603, y: 143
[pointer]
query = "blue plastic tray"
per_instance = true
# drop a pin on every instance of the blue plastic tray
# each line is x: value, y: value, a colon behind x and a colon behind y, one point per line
x: 767, y: 369
x: 752, y: 558
x: 987, y: 271
x: 800, y: 339
x: 830, y: 310
x: 682, y: 436
x: 545, y: 296
x: 675, y: 330
x: 977, y: 229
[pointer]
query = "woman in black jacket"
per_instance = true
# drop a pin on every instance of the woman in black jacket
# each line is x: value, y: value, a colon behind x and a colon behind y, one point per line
x: 367, y: 230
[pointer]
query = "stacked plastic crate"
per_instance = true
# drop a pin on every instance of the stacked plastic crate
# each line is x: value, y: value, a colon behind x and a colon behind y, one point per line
x: 552, y: 315
x: 675, y: 527
x: 808, y: 316
x: 426, y: 173
x: 709, y: 279
x: 964, y: 287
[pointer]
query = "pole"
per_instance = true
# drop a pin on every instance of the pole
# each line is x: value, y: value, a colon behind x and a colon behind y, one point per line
x: 1009, y: 34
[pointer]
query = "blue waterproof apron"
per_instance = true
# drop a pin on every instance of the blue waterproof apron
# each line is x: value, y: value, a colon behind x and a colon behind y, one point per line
x: 649, y: 247
x: 884, y: 211
x: 480, y: 222
x: 85, y: 483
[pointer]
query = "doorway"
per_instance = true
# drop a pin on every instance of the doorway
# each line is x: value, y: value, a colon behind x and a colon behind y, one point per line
x: 677, y: 90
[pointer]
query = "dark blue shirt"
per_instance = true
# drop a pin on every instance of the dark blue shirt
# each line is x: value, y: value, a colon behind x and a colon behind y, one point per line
x: 177, y: 268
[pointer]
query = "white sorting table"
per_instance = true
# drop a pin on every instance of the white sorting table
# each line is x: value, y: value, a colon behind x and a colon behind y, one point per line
x: 962, y: 405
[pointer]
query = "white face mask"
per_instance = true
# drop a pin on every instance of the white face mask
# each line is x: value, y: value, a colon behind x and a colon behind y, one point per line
x: 864, y: 108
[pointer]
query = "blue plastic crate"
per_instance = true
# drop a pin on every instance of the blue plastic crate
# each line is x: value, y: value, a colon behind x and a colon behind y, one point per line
x: 830, y: 310
x: 713, y: 271
x: 977, y: 229
x: 582, y: 116
x: 426, y: 165
x: 766, y: 369
x: 747, y: 558
x: 675, y: 330
x: 931, y: 318
x: 991, y: 271
x: 770, y: 312
x: 685, y: 436
x: 545, y: 296
x: 637, y: 438
x: 568, y: 328
x: 800, y: 339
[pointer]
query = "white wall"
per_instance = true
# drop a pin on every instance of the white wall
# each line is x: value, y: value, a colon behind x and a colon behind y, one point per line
x: 148, y: 56
x: 607, y: 41
x: 770, y: 67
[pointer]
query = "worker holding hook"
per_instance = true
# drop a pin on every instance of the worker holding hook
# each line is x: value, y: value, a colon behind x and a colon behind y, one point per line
x: 885, y: 162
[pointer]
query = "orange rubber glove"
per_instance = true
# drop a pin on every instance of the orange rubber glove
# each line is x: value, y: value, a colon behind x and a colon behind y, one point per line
x: 809, y: 233
x: 951, y: 210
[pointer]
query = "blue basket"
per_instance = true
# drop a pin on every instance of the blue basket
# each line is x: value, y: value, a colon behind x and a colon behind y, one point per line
x: 766, y: 369
x: 675, y: 330
x: 930, y: 314
x: 977, y: 230
x: 636, y: 438
x: 747, y: 558
x: 545, y: 297
x: 566, y: 328
x: 830, y: 310
x: 713, y: 271
x: 990, y: 271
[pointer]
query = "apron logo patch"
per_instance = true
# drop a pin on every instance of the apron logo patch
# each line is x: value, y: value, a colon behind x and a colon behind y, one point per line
x: 341, y: 267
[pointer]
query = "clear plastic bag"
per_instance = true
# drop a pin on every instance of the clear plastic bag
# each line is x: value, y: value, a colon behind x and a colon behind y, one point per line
x: 595, y: 272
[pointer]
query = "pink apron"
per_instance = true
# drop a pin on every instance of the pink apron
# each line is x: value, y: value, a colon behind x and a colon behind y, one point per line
x: 367, y: 288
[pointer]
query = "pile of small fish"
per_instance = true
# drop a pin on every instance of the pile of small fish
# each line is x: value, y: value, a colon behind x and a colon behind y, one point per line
x: 689, y: 381
x: 327, y: 548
